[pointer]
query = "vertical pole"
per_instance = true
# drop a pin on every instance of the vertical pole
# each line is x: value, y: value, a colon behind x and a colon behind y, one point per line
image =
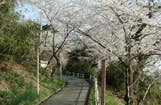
x: 38, y: 58
x: 96, y: 91
x: 103, y: 82
x: 38, y: 67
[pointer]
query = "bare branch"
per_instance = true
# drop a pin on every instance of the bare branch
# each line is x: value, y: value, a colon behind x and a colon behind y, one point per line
x: 121, y: 22
x: 89, y: 36
x: 138, y: 34
x: 2, y: 2
x: 145, y: 35
x: 150, y: 53
x: 146, y: 94
x: 61, y: 46
x: 67, y: 35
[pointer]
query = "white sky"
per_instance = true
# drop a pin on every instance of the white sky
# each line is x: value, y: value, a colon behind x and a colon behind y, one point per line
x: 28, y: 10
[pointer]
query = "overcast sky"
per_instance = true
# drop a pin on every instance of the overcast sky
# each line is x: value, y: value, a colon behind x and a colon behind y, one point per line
x: 27, y: 10
x: 30, y: 11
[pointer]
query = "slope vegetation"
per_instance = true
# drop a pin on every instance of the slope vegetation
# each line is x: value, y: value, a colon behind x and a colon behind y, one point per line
x: 18, y: 85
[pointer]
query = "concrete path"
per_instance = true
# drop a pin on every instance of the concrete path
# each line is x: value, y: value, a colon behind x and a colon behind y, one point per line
x: 75, y: 93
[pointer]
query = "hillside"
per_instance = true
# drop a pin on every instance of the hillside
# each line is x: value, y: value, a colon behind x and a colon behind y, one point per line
x: 18, y: 85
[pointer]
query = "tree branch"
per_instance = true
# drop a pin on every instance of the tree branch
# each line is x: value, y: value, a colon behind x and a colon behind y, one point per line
x: 89, y: 36
x: 2, y: 2
x: 67, y: 34
x: 150, y: 53
x: 121, y: 22
x: 146, y: 93
x: 138, y: 34
x: 61, y: 46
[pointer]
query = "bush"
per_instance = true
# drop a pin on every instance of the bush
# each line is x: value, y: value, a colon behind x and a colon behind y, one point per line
x: 115, y: 76
x: 154, y: 95
x: 77, y: 64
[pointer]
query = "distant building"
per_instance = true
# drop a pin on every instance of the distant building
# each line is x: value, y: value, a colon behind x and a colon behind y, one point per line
x: 43, y: 64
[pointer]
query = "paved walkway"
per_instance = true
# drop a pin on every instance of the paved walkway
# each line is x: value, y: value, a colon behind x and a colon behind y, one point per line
x: 75, y: 93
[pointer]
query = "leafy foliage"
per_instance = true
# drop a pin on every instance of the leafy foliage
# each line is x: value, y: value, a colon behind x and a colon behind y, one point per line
x: 115, y: 76
x: 19, y: 42
x: 78, y: 64
x: 154, y: 94
x: 111, y: 99
x: 115, y: 80
x: 17, y: 39
x: 17, y: 96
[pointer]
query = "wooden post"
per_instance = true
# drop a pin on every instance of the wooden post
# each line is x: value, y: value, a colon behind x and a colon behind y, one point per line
x: 103, y: 82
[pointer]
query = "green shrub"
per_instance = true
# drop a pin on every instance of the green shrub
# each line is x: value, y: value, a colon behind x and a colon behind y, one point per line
x: 154, y: 95
x: 29, y: 95
x: 78, y: 64
x: 115, y: 76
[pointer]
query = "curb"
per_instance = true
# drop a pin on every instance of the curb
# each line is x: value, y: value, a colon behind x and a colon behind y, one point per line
x: 58, y: 90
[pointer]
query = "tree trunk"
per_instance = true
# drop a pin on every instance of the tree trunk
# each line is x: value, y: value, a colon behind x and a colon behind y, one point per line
x: 127, y: 100
x: 57, y: 67
x: 140, y: 65
x: 52, y: 72
x: 139, y: 73
x: 129, y: 87
x: 129, y: 74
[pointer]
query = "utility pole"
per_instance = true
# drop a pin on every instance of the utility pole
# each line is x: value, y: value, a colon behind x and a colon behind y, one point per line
x: 38, y: 68
x: 38, y: 58
x: 103, y: 82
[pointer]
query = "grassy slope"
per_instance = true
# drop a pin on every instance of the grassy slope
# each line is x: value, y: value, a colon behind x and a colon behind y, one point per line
x: 18, y: 85
x: 111, y: 99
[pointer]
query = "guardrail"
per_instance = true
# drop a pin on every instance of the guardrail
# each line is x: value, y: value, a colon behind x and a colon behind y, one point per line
x: 75, y: 74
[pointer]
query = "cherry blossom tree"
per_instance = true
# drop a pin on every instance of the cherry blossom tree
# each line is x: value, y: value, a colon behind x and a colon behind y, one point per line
x: 127, y: 30
x: 131, y: 32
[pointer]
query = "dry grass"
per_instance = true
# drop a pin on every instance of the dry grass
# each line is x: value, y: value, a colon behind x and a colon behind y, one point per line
x: 3, y: 85
x: 20, y: 70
